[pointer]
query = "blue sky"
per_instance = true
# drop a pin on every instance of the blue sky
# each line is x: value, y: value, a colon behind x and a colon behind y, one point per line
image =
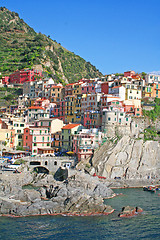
x: 114, y: 35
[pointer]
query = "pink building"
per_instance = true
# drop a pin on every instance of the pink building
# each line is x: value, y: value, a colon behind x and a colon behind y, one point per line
x: 87, y: 88
x: 58, y: 111
x: 92, y: 119
x: 129, y: 73
x: 36, y: 138
x: 24, y: 75
x: 133, y: 107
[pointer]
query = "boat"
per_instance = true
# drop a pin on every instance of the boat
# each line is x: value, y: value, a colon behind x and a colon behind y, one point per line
x: 150, y: 188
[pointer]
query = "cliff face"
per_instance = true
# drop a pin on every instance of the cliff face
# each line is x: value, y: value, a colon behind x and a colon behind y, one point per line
x: 128, y: 159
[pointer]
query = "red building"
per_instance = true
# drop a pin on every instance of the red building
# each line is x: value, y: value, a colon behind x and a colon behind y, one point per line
x: 105, y: 87
x: 58, y: 111
x: 27, y: 139
x: 5, y: 80
x: 25, y: 75
x: 129, y: 73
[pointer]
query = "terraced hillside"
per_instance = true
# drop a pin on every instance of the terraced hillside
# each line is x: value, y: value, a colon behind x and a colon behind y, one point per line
x: 21, y: 47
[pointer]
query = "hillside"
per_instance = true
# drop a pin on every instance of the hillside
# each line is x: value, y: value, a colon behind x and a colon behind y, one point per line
x: 22, y: 47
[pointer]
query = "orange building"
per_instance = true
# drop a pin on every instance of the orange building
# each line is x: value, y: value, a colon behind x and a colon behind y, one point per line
x: 155, y: 90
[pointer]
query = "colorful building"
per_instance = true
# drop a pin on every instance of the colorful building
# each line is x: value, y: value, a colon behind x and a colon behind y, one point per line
x: 25, y: 75
x: 68, y: 132
x: 85, y: 142
x: 36, y: 138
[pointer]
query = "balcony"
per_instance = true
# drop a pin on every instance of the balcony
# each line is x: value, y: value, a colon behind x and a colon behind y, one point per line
x: 85, y: 147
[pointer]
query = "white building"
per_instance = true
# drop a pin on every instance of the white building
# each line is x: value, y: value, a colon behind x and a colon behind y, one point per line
x: 118, y: 91
x: 152, y: 78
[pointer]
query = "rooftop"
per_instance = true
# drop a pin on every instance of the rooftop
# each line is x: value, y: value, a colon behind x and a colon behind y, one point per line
x: 70, y: 126
x: 36, y: 107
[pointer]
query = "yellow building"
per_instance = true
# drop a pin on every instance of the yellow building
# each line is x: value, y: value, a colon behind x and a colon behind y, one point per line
x: 132, y: 92
x: 73, y: 104
x: 147, y: 91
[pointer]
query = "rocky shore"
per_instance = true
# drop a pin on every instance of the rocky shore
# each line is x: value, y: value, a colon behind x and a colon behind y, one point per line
x: 79, y: 195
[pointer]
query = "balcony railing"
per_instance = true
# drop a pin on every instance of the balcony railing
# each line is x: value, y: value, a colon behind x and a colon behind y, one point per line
x: 85, y: 147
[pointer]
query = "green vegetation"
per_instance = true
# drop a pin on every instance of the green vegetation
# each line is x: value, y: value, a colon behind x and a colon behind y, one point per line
x: 9, y: 96
x: 155, y: 113
x: 150, y: 134
x: 20, y: 148
x: 21, y: 47
x: 19, y: 161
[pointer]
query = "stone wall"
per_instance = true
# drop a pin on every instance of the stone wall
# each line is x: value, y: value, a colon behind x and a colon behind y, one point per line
x: 113, y: 130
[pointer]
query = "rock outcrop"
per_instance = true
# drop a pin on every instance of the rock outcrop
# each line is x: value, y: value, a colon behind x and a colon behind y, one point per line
x: 130, y: 211
x: 128, y: 159
x: 80, y: 194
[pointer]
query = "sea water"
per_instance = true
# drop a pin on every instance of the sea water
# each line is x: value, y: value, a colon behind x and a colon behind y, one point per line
x: 142, y: 226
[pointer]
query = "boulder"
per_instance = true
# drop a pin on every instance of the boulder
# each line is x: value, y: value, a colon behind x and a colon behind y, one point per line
x: 130, y: 211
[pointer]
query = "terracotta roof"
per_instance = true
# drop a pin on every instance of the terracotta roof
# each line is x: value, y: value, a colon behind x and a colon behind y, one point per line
x: 117, y: 87
x: 70, y: 126
x: 56, y: 87
x: 36, y: 107
x: 70, y: 84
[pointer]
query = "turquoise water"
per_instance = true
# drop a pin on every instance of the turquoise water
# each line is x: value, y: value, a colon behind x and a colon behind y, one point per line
x: 143, y: 226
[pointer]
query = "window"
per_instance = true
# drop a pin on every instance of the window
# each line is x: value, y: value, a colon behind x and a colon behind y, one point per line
x: 21, y: 125
x: 121, y: 114
x: 26, y: 137
x: 138, y: 109
x: 43, y: 139
x: 69, y: 131
x: 34, y: 139
x: 127, y: 119
x: 109, y: 119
